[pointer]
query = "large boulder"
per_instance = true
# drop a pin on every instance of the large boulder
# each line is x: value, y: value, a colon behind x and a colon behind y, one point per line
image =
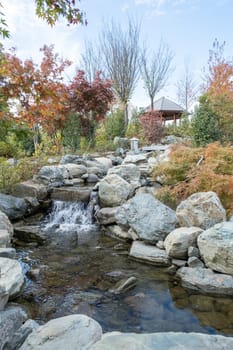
x: 11, y: 319
x: 13, y: 207
x: 202, y: 209
x: 216, y: 247
x: 11, y: 280
x: 163, y: 341
x: 129, y: 172
x: 74, y: 332
x: 30, y: 189
x: 52, y: 175
x: 113, y: 191
x: 148, y: 217
x: 205, y: 281
x: 148, y: 253
x: 179, y: 240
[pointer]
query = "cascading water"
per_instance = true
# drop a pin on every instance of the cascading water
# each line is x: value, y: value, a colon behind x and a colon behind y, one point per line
x: 69, y: 213
x: 74, y: 219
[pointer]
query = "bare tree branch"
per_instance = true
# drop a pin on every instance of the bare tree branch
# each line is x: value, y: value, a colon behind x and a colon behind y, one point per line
x: 120, y: 50
x: 156, y: 69
x: 187, y: 88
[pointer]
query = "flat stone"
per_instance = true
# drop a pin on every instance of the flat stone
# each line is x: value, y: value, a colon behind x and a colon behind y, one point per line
x: 29, y: 234
x: 30, y: 189
x: 163, y: 341
x: 149, y: 253
x: 71, y: 194
x: 205, y: 281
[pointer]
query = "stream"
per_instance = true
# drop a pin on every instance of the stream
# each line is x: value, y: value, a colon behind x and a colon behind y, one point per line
x: 80, y: 279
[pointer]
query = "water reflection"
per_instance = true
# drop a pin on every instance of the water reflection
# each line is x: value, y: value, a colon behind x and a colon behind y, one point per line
x: 79, y: 280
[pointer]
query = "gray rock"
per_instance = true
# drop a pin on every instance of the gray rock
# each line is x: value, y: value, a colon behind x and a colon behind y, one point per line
x: 193, y: 251
x: 5, y: 239
x: 71, y: 158
x: 202, y: 209
x: 75, y: 170
x: 129, y: 172
x: 160, y: 244
x: 148, y: 253
x: 5, y: 224
x: 77, y: 332
x: 137, y: 159
x: 29, y: 234
x: 30, y: 189
x: 193, y: 261
x: 21, y: 334
x: 106, y: 162
x: 106, y: 216
x: 179, y: 262
x: 179, y: 240
x: 92, y: 178
x: 216, y: 247
x: 8, y: 253
x: 124, y: 285
x: 121, y: 233
x: 11, y: 278
x: 52, y: 175
x: 205, y: 281
x: 13, y: 207
x: 71, y: 194
x: 148, y: 217
x: 11, y: 319
x: 163, y: 341
x: 113, y: 191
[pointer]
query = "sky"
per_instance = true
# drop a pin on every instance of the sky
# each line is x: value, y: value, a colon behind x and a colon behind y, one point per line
x: 189, y: 27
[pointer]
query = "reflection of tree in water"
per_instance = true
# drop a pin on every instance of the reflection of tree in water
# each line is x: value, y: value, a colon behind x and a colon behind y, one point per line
x: 211, y: 311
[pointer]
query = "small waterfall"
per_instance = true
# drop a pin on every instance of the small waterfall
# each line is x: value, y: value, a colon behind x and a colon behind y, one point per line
x: 69, y: 213
x: 70, y: 224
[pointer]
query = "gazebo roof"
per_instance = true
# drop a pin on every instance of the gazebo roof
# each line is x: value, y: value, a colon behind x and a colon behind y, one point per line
x: 165, y: 105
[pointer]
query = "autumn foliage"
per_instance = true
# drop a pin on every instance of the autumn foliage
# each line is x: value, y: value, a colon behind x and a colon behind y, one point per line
x: 44, y: 102
x: 192, y: 170
x: 153, y: 126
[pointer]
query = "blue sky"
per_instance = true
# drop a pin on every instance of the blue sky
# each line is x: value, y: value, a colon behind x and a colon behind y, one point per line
x: 188, y: 26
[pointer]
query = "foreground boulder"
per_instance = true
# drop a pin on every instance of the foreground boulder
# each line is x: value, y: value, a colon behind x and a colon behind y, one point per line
x: 216, y: 247
x: 11, y: 280
x: 76, y: 332
x: 113, y: 191
x: 5, y: 223
x: 205, y: 281
x: 179, y: 240
x: 11, y: 319
x: 148, y: 217
x: 202, y: 209
x: 148, y: 253
x: 163, y: 341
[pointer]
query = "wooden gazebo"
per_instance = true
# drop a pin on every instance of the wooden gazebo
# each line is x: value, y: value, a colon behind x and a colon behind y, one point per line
x: 169, y: 109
